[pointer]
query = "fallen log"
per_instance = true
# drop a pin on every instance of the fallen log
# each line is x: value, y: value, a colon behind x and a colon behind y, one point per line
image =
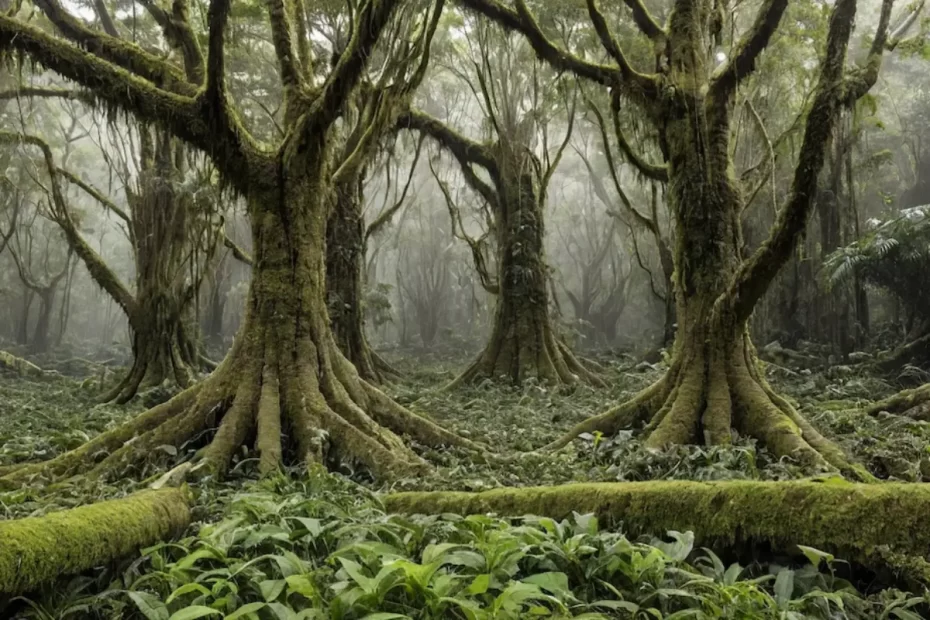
x: 35, y: 550
x: 866, y: 523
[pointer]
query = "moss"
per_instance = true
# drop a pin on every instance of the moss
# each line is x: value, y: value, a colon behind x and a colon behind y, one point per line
x: 38, y: 549
x: 856, y: 521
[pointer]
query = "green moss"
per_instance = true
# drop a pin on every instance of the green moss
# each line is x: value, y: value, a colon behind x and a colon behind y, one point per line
x: 852, y: 520
x: 38, y: 549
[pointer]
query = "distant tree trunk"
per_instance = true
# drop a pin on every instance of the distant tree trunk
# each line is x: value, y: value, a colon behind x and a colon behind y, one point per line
x: 162, y: 224
x: 345, y: 259
x: 523, y: 342
x: 40, y: 334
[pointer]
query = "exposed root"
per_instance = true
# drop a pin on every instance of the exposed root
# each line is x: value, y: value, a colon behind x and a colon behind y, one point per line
x: 913, y: 403
x: 543, y: 356
x: 708, y: 392
x: 317, y: 398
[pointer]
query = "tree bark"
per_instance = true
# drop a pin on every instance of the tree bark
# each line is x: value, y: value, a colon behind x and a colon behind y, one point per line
x: 345, y: 259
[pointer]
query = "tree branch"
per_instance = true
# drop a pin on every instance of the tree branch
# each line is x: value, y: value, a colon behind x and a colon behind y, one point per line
x: 281, y: 31
x: 644, y: 21
x: 756, y: 274
x: 743, y: 62
x: 371, y: 20
x: 178, y: 32
x: 385, y: 216
x: 121, y: 53
x: 464, y: 149
x: 522, y: 20
x: 237, y: 252
x: 98, y: 269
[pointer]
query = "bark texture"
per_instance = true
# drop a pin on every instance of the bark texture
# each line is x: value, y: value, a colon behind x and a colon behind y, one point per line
x: 36, y: 550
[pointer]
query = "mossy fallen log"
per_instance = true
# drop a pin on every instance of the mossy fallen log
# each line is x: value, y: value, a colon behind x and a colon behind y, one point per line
x: 35, y: 550
x: 19, y: 366
x: 859, y: 522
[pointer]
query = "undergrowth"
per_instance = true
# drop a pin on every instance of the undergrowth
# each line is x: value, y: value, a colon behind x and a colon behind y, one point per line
x: 318, y: 547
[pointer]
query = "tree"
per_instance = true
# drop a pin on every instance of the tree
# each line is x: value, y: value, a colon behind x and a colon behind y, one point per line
x: 714, y: 383
x: 523, y: 341
x: 284, y: 373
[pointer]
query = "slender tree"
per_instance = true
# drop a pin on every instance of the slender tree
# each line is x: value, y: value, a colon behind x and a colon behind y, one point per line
x: 714, y: 383
x: 284, y: 373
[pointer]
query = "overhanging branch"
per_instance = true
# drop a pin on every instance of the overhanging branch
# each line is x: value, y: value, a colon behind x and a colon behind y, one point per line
x: 743, y: 62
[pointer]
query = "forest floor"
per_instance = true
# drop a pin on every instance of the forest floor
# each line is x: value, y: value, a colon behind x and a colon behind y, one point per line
x: 312, y: 545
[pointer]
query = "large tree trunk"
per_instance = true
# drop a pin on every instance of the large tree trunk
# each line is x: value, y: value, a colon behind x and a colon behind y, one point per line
x: 284, y: 373
x: 345, y: 258
x: 523, y: 341
x: 714, y: 384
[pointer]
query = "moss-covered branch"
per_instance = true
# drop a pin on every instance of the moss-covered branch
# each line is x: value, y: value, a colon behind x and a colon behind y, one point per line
x: 347, y: 73
x: 279, y: 16
x: 523, y: 21
x: 38, y: 549
x: 462, y: 148
x: 756, y: 274
x: 645, y: 21
x: 743, y: 62
x: 237, y: 252
x: 124, y: 54
x: 179, y: 34
x: 854, y: 520
x: 98, y: 269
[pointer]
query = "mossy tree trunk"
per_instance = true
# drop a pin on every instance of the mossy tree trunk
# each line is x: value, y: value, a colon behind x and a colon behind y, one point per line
x: 167, y: 237
x: 345, y: 260
x: 284, y: 390
x: 523, y: 341
x: 715, y: 384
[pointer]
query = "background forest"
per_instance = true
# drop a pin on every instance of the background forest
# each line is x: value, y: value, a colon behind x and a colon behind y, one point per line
x: 464, y: 309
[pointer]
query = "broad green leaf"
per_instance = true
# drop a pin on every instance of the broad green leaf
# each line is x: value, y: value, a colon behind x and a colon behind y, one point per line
x: 245, y: 610
x: 480, y: 584
x: 193, y: 612
x: 150, y: 605
x: 271, y: 588
x: 185, y: 589
x: 784, y: 586
x: 554, y: 583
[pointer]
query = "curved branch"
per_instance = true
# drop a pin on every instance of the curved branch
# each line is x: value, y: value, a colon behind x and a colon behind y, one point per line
x: 121, y: 53
x: 237, y: 252
x: 743, y: 62
x: 188, y: 118
x: 464, y: 149
x: 370, y: 21
x: 385, y: 216
x: 756, y: 274
x: 98, y: 269
x: 178, y: 32
x: 644, y: 21
x: 523, y: 21
x: 647, y: 169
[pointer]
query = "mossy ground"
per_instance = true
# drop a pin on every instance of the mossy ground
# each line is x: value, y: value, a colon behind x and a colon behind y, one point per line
x: 49, y: 415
